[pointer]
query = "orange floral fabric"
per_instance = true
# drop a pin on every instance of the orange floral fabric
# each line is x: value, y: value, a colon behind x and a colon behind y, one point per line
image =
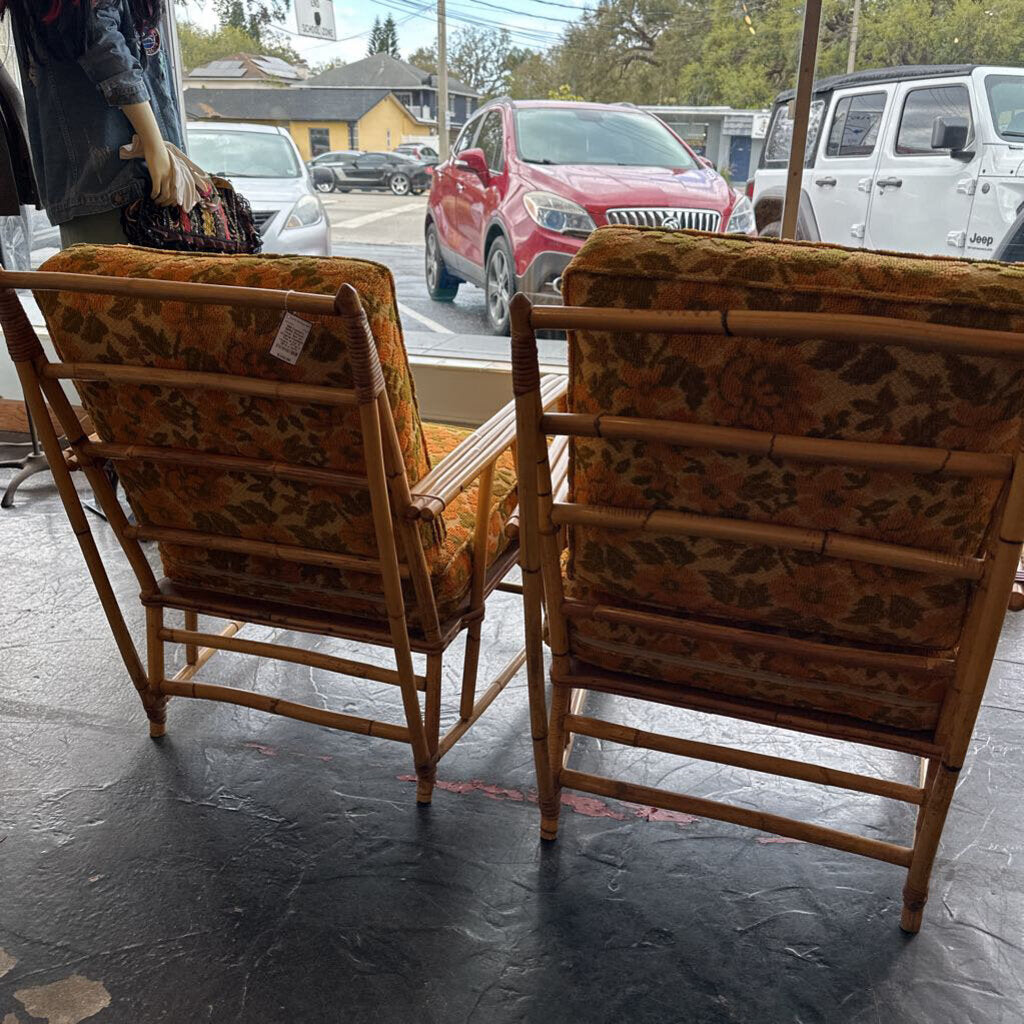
x: 220, y: 339
x: 819, y: 388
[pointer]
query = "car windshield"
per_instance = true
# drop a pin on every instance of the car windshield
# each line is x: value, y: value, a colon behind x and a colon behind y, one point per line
x: 1006, y: 101
x: 563, y: 135
x: 243, y: 154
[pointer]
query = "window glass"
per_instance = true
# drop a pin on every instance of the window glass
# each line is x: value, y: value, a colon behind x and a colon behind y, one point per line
x: 855, y: 125
x: 465, y: 139
x: 492, y: 141
x: 921, y: 108
x: 1006, y: 101
x: 371, y: 160
x: 583, y: 135
x: 243, y: 154
x: 319, y: 141
x: 780, y: 133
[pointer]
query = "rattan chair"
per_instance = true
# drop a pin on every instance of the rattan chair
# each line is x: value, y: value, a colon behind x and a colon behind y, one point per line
x: 296, y: 490
x: 795, y: 497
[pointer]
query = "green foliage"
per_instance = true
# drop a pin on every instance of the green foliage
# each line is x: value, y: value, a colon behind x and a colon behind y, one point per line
x: 255, y: 17
x: 383, y: 37
x: 199, y: 47
x: 480, y: 57
x: 704, y: 52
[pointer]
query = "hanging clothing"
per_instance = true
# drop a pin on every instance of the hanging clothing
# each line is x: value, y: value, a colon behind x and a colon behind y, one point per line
x: 76, y: 129
x: 17, y: 183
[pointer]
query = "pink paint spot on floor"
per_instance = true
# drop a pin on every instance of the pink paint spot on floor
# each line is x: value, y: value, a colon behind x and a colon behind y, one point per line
x: 660, y: 814
x: 262, y: 749
x: 771, y: 840
x: 591, y: 806
x: 490, y: 791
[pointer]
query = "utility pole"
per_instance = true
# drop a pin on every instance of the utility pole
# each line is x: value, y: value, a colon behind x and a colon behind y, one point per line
x: 444, y: 141
x: 851, y: 61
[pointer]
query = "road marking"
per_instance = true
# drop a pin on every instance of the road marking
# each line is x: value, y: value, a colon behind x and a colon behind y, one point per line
x: 369, y: 218
x: 425, y: 320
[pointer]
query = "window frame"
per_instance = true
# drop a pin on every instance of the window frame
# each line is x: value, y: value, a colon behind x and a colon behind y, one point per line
x: 320, y: 132
x: 959, y: 84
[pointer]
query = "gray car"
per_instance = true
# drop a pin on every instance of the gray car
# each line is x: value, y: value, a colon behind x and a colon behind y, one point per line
x: 263, y: 164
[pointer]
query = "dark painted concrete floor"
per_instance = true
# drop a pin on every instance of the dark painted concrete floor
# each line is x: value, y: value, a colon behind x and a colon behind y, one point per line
x: 253, y: 869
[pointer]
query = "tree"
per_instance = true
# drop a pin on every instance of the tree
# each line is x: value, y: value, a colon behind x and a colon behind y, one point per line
x: 383, y: 37
x: 199, y: 46
x: 482, y: 58
x: 254, y: 17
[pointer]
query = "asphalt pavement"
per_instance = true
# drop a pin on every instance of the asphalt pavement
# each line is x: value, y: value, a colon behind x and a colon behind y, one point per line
x: 389, y: 229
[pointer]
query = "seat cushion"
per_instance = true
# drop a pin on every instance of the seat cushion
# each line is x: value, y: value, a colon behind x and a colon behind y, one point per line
x: 175, y: 335
x: 361, y: 595
x: 821, y: 387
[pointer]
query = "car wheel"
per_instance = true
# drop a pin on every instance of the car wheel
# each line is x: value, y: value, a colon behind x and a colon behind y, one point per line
x: 441, y: 286
x: 418, y: 191
x: 774, y: 230
x: 400, y: 184
x: 15, y: 248
x: 499, y: 286
x: 324, y: 186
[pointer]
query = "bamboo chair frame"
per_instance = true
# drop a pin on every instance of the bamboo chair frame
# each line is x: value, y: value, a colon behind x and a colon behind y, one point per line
x: 546, y: 510
x: 396, y: 507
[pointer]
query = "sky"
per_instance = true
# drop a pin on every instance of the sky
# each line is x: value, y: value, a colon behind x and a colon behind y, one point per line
x: 533, y: 23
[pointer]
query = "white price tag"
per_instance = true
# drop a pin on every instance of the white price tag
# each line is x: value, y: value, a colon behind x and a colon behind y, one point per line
x: 291, y: 337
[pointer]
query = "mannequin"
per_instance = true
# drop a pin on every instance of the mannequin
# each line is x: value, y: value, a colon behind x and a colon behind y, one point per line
x: 94, y: 74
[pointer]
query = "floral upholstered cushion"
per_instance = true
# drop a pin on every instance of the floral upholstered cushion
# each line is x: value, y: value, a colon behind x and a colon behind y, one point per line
x: 820, y: 388
x: 219, y: 339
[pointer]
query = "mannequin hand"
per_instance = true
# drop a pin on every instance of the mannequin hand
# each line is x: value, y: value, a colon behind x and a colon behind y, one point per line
x: 158, y: 163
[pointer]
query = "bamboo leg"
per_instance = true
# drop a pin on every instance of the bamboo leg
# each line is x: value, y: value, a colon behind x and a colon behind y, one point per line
x: 432, y: 723
x: 191, y: 624
x: 931, y: 819
x: 471, y: 664
x: 154, y: 704
x: 155, y: 662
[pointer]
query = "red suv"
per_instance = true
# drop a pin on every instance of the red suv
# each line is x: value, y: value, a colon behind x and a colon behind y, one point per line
x: 528, y: 181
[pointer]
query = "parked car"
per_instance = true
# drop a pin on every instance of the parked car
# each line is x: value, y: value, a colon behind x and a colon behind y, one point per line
x: 324, y: 167
x: 395, y: 171
x: 264, y: 165
x: 528, y: 181
x: 915, y: 159
x: 425, y: 154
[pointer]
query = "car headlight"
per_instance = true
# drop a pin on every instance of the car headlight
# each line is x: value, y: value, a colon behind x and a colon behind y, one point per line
x: 557, y: 214
x: 306, y: 212
x: 742, y: 221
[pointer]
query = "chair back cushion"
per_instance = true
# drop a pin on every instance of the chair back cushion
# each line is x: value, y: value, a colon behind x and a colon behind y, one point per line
x: 818, y: 388
x: 236, y: 340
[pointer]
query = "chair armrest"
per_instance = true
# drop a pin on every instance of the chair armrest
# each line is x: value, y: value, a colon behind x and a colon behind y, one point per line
x: 558, y: 457
x: 461, y: 466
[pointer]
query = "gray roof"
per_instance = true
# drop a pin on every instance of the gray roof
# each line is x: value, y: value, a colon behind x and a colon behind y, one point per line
x: 381, y: 71
x: 282, y: 104
x: 247, y: 65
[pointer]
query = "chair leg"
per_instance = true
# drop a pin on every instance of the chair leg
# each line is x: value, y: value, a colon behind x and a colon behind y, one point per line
x: 558, y: 752
x: 931, y: 819
x: 470, y: 669
x: 432, y: 725
x: 191, y: 650
x: 155, y: 664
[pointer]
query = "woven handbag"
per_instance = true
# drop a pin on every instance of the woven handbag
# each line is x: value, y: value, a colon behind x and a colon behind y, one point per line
x: 221, y: 221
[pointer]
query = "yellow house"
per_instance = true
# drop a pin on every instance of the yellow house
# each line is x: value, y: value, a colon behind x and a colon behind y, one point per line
x: 318, y: 119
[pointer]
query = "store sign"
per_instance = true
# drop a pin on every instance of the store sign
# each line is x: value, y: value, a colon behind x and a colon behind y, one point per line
x: 760, y: 126
x: 315, y: 18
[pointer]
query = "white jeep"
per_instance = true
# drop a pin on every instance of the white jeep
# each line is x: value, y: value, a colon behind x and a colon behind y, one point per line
x: 913, y: 159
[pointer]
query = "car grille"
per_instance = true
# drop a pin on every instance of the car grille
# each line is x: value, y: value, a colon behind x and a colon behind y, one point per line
x: 263, y: 219
x: 671, y: 217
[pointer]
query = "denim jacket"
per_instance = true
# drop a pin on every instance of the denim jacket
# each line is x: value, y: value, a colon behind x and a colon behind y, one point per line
x: 75, y: 126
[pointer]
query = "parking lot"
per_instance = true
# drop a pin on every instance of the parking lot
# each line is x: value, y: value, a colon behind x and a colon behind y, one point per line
x: 389, y: 229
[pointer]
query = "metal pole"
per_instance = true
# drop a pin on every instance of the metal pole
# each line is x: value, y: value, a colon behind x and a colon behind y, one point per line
x: 851, y: 60
x: 444, y: 143
x: 801, y: 116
